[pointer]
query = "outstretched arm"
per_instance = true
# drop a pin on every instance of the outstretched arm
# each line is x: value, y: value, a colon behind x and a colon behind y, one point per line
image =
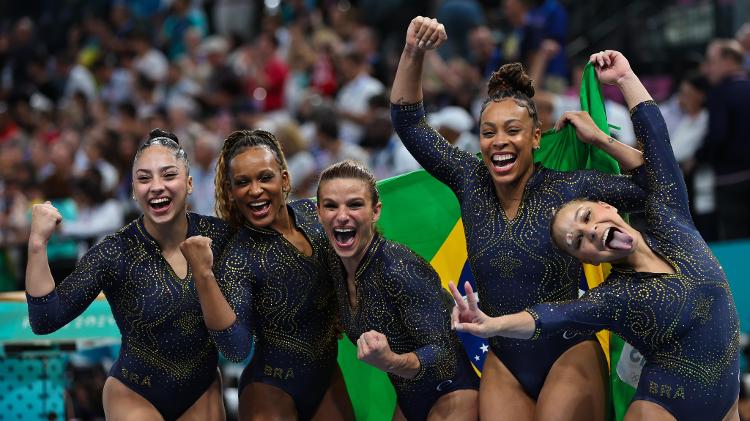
x: 467, y: 317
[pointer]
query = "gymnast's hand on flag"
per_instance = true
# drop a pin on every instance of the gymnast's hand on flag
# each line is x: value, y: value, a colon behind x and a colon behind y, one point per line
x: 197, y: 252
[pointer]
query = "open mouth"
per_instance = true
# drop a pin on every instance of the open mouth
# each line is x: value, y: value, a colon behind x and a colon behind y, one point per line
x: 259, y: 208
x: 344, y: 236
x: 616, y: 239
x: 503, y: 161
x: 160, y: 203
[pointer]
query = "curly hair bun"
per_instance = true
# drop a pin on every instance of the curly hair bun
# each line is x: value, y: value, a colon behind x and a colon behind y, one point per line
x: 510, y: 78
x: 153, y: 134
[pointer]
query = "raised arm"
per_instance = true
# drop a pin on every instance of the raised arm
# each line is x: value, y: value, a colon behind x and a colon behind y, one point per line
x: 664, y: 180
x: 442, y: 160
x: 51, y: 307
x: 233, y: 339
x: 423, y: 34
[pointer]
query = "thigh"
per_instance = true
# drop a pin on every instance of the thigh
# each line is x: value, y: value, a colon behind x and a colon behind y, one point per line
x: 576, y: 385
x: 123, y: 404
x: 259, y: 401
x: 501, y: 396
x: 459, y: 405
x: 336, y: 404
x: 640, y: 410
x: 210, y: 406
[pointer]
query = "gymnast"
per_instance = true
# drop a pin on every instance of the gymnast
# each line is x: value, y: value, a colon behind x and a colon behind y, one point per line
x: 505, y: 206
x: 167, y: 367
x: 272, y: 282
x: 391, y: 303
x: 667, y: 294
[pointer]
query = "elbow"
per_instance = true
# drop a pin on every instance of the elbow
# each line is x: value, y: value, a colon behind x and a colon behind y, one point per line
x: 41, y: 328
x: 240, y: 354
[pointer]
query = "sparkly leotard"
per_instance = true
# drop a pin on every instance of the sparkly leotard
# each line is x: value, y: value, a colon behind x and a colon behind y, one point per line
x: 514, y: 262
x: 399, y: 295
x: 685, y: 323
x: 286, y: 299
x: 167, y: 355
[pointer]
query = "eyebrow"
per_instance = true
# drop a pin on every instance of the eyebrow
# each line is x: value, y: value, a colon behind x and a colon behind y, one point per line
x: 167, y: 167
x: 577, y: 217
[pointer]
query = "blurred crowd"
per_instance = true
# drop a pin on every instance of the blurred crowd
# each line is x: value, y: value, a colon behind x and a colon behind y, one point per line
x: 83, y: 82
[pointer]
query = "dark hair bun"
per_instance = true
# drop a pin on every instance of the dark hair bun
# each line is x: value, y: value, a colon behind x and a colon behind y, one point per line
x: 153, y: 134
x: 510, y: 78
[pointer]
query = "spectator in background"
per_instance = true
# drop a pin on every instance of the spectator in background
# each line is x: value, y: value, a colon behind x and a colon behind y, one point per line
x: 265, y: 73
x: 98, y: 214
x: 726, y: 145
x: 687, y: 123
x: 351, y: 100
x: 203, y: 170
x: 148, y: 61
x: 365, y: 42
x: 388, y: 155
x: 332, y: 148
x: 460, y: 18
x: 300, y: 162
x: 485, y: 53
x: 455, y: 125
x: 743, y: 36
x: 181, y: 18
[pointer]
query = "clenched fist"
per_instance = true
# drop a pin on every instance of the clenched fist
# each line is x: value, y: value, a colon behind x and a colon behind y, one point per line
x: 197, y: 252
x: 44, y: 220
x: 373, y: 348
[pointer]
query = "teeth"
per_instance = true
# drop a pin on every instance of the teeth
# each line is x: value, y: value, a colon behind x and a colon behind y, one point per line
x: 160, y: 200
x: 343, y: 230
x: 502, y: 157
x: 259, y: 204
x: 604, y: 237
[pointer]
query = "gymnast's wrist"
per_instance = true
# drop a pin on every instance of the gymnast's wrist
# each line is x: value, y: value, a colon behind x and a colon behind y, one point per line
x: 202, y: 276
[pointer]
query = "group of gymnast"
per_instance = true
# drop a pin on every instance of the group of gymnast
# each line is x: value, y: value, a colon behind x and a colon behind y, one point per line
x: 276, y: 282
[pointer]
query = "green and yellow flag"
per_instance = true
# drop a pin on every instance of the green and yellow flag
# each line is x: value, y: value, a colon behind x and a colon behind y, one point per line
x: 423, y: 214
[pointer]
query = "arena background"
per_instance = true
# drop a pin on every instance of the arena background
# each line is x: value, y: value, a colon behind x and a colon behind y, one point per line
x: 82, y: 81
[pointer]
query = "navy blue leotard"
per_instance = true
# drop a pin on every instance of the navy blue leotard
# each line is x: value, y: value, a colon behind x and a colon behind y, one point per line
x: 399, y: 295
x: 514, y: 262
x: 286, y: 299
x: 685, y: 323
x: 167, y: 355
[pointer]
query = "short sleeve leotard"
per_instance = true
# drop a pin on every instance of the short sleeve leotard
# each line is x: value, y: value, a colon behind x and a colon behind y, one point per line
x: 514, y: 262
x: 167, y: 354
x: 286, y: 300
x: 399, y: 295
x: 685, y: 323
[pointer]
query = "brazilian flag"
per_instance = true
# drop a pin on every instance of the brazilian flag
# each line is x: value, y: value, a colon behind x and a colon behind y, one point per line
x: 423, y: 214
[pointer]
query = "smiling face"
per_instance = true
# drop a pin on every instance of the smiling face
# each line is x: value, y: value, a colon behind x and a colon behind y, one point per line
x: 257, y: 186
x: 507, y: 138
x: 348, y: 216
x: 161, y: 184
x: 593, y: 232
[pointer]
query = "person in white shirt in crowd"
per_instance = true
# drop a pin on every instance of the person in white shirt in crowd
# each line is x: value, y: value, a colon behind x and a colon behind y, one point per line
x: 98, y: 213
x: 455, y: 125
x: 388, y: 155
x: 351, y: 100
x: 331, y: 146
x: 203, y: 170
